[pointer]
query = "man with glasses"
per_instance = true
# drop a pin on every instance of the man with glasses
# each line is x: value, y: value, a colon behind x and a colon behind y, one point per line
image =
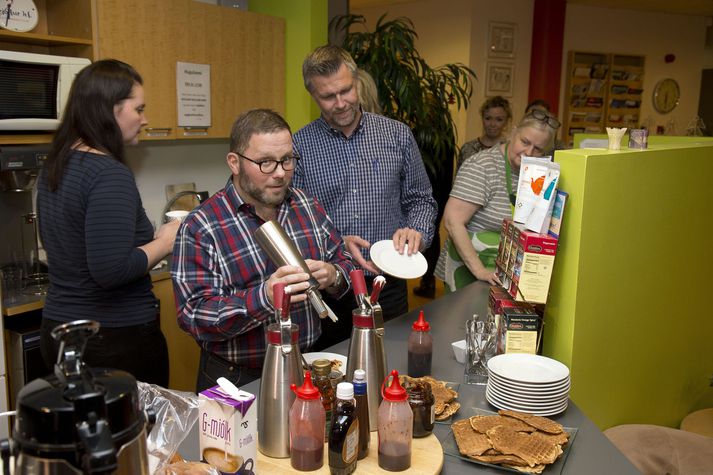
x: 223, y: 280
x: 367, y: 171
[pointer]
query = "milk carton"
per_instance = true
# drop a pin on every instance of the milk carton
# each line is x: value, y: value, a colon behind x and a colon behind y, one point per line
x: 228, y: 431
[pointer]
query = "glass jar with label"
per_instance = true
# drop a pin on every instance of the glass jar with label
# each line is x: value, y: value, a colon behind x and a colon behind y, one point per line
x: 422, y: 405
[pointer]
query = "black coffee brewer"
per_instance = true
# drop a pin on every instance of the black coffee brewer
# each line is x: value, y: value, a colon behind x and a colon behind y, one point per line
x: 79, y: 420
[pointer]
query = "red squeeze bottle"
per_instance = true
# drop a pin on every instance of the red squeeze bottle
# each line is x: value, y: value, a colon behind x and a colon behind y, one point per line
x: 420, y: 348
x: 307, y: 419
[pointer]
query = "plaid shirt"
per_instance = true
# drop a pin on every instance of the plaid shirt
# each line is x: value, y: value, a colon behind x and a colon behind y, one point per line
x: 371, y: 183
x: 219, y: 272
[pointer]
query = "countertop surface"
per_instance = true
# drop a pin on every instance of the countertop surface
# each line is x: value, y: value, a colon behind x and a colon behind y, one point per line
x: 18, y: 304
x: 591, y: 451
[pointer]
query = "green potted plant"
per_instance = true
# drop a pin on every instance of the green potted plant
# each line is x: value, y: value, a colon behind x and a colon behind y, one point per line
x: 416, y: 94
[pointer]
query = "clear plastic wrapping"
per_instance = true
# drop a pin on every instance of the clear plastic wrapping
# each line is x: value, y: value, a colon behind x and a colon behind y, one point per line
x: 176, y: 412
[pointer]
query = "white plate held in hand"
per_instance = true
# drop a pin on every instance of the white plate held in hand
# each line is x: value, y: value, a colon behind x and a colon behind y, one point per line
x: 398, y: 265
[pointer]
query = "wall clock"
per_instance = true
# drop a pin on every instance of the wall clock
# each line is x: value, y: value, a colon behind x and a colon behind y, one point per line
x: 666, y: 95
x: 18, y: 15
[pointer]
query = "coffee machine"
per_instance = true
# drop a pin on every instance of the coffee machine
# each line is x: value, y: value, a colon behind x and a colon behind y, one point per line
x: 20, y: 166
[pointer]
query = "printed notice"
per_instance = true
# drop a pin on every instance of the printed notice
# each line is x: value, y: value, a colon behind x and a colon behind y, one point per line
x: 193, y: 87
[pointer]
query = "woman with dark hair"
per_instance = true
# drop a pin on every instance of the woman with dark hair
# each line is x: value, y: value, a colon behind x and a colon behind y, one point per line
x: 496, y: 115
x: 100, y: 244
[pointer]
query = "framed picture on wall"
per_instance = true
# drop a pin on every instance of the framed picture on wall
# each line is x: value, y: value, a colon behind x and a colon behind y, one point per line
x: 499, y: 79
x: 501, y: 39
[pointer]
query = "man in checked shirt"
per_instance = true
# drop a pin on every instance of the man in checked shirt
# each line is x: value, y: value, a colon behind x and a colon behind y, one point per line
x: 222, y: 278
x: 367, y: 171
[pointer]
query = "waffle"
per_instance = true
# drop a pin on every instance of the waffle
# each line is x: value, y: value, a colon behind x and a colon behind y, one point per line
x: 541, y: 423
x: 510, y: 440
x: 449, y: 409
x: 532, y: 449
x: 526, y: 468
x: 470, y: 443
x: 500, y: 458
x: 483, y: 424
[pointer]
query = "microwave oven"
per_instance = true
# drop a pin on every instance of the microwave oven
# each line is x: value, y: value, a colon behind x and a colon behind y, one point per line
x: 34, y: 89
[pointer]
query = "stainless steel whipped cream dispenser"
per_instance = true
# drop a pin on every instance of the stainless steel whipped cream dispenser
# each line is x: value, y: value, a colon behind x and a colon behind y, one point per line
x: 366, y: 347
x: 282, y: 368
x: 282, y: 251
x: 79, y: 420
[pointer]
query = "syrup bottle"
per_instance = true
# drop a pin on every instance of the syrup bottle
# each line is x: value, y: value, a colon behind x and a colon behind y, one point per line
x: 344, y: 432
x: 322, y: 368
x: 420, y: 348
x: 306, y: 427
x: 395, y: 423
x: 362, y: 405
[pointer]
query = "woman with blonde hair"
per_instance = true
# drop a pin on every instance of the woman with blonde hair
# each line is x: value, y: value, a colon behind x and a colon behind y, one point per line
x: 483, y: 195
x: 368, y: 93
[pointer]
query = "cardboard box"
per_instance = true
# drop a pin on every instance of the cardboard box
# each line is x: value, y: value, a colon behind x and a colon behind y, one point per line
x: 519, y: 330
x: 532, y: 267
x: 228, y: 431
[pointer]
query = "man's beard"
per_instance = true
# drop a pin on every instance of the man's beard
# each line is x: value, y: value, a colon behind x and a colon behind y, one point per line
x: 260, y: 196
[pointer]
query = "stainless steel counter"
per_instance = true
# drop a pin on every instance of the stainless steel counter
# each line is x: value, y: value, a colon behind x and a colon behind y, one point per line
x: 591, y: 452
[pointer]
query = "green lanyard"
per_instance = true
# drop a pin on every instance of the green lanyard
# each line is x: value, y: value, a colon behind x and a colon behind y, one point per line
x: 508, y: 180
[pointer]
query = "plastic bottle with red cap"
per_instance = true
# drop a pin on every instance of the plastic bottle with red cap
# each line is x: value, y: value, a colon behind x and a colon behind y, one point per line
x: 307, y: 419
x: 420, y: 348
x: 395, y: 426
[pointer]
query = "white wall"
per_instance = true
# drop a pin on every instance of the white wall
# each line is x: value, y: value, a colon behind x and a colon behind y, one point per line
x: 457, y: 30
x: 157, y: 164
x: 653, y: 35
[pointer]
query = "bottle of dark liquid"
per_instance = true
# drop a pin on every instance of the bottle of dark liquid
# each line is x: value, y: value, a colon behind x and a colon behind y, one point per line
x: 344, y: 432
x: 362, y: 405
x: 395, y: 425
x: 420, y: 348
x: 322, y: 368
x: 306, y: 428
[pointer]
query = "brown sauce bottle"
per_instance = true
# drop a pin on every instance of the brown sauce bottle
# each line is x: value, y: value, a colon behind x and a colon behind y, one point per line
x: 344, y: 432
x: 362, y: 405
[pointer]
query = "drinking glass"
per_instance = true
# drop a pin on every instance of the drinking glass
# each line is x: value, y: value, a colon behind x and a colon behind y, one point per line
x: 480, y: 347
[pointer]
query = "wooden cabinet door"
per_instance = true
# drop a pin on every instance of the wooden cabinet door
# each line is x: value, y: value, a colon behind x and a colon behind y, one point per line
x: 246, y: 53
x: 147, y: 35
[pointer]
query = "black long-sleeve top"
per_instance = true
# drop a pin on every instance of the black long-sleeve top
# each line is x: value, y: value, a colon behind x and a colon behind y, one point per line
x: 90, y: 228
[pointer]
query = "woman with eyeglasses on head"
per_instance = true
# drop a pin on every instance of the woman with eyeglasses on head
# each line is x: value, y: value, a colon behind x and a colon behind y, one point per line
x: 483, y: 195
x: 496, y: 115
x: 100, y: 244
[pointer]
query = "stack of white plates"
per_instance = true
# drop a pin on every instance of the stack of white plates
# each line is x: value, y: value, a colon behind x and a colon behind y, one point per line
x: 528, y: 383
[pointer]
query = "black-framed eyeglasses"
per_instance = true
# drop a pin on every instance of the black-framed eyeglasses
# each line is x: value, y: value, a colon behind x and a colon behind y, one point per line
x: 269, y: 166
x: 543, y: 116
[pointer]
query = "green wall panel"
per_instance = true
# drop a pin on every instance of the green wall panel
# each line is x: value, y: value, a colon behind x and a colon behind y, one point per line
x: 627, y: 301
x: 306, y: 28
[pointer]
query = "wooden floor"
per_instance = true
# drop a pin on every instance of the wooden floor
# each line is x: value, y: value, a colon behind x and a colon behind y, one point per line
x: 414, y: 301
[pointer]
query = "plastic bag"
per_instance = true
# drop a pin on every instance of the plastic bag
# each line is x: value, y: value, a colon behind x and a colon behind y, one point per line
x: 176, y: 412
x: 187, y: 468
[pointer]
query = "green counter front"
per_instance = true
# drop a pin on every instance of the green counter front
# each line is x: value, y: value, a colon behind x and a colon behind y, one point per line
x: 628, y: 308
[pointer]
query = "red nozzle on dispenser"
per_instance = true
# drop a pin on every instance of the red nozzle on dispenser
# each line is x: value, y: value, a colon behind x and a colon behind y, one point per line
x: 358, y: 282
x: 278, y: 295
x: 421, y: 325
x: 307, y: 390
x: 394, y: 392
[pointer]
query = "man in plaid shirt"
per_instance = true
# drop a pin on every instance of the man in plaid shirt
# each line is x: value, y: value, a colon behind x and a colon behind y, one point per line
x: 222, y: 278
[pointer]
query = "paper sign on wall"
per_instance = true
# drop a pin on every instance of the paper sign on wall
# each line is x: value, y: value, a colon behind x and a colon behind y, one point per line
x: 193, y: 88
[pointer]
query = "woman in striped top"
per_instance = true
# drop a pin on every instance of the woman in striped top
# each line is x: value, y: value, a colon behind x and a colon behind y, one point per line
x: 100, y: 244
x: 482, y: 196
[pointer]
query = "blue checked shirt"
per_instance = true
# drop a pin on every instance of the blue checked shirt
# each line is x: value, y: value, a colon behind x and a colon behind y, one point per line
x: 219, y: 272
x: 371, y: 183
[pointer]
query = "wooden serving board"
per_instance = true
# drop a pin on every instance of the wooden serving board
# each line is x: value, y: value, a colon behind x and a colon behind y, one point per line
x: 426, y: 459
